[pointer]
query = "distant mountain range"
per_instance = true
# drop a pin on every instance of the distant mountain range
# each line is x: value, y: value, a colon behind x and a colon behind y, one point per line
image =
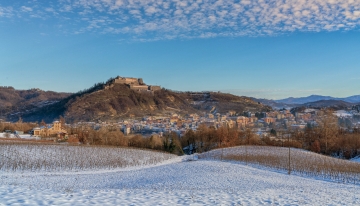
x: 314, y: 98
x: 313, y: 101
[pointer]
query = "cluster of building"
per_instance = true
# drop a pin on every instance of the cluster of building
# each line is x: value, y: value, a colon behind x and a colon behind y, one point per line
x: 50, y: 130
x: 260, y: 123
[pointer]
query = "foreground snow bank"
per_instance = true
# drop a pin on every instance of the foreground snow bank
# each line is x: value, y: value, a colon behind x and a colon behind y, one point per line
x: 179, y: 183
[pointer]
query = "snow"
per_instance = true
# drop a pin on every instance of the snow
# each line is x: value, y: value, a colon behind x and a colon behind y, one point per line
x: 356, y: 159
x: 22, y: 136
x: 3, y: 135
x: 175, y: 182
x: 28, y: 136
x: 310, y: 110
x: 20, y: 158
x: 342, y: 113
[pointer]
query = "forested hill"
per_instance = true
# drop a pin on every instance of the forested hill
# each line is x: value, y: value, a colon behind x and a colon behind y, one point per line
x: 14, y: 103
x: 110, y: 101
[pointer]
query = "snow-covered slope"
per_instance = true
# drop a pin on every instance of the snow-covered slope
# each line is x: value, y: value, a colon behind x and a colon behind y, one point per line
x: 356, y: 159
x: 24, y: 157
x: 178, y: 183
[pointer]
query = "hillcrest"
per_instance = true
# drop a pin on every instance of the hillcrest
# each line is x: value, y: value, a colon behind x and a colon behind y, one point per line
x: 136, y: 84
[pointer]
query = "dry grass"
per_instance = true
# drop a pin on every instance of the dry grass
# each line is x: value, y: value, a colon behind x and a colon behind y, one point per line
x: 301, y: 162
x: 58, y: 158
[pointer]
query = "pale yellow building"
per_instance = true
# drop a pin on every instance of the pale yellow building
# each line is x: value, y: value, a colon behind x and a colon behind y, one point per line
x: 242, y: 121
x: 49, y: 130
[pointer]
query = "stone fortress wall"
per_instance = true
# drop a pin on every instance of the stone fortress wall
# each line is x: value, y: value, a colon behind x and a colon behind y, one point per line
x: 136, y: 84
x: 124, y: 80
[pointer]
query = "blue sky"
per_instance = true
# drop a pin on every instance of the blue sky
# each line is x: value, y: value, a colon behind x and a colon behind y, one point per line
x: 260, y: 48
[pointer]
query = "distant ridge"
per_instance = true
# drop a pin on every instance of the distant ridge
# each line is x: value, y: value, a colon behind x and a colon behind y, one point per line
x: 15, y: 102
x: 332, y: 103
x: 314, y: 98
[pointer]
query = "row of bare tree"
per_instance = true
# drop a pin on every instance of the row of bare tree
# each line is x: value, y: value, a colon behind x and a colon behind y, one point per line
x: 114, y: 137
x: 19, y: 126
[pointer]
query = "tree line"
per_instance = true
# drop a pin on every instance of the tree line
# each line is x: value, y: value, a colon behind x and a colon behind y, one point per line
x: 324, y: 137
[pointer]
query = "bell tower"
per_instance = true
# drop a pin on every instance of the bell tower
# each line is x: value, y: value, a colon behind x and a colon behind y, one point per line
x: 57, y: 126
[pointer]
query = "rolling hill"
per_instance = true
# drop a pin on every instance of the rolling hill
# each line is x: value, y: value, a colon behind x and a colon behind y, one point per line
x: 14, y: 103
x: 276, y: 105
x: 111, y: 101
x: 334, y: 104
x: 134, y: 179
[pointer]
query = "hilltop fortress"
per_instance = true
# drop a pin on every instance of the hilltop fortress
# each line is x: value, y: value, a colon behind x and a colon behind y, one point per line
x: 136, y: 84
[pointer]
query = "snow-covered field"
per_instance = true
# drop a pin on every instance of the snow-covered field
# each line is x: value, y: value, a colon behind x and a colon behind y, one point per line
x: 23, y: 157
x: 301, y: 162
x: 22, y: 136
x: 175, y: 181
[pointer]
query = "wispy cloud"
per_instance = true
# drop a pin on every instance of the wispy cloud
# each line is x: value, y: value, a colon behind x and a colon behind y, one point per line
x: 26, y: 9
x: 161, y: 19
x: 6, y: 12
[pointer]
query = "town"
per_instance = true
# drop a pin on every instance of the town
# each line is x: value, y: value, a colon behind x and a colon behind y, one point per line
x: 261, y: 124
